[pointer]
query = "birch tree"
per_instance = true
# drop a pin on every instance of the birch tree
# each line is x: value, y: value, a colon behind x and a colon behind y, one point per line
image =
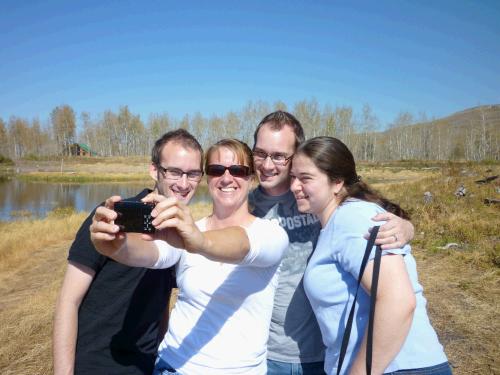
x: 63, y: 125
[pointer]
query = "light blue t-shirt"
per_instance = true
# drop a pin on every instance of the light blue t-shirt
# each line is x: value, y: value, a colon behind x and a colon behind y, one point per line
x: 330, y: 282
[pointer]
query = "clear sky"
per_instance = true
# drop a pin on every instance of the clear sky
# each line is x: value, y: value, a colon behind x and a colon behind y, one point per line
x: 180, y: 57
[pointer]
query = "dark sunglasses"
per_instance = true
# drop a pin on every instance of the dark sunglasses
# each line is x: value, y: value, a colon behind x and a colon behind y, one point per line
x: 217, y: 170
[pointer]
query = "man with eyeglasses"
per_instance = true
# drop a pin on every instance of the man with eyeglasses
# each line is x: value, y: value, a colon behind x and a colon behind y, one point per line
x: 110, y: 318
x: 295, y: 345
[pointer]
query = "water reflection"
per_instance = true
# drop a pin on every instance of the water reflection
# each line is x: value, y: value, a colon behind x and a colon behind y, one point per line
x: 20, y: 198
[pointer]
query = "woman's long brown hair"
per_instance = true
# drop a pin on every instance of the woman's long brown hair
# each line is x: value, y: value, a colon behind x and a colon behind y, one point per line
x: 333, y: 158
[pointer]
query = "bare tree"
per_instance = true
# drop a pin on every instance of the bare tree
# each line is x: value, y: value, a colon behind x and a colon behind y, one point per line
x: 344, y: 124
x: 39, y: 139
x: 130, y: 133
x: 199, y: 128
x: 280, y: 106
x: 329, y: 121
x: 64, y: 125
x: 472, y: 134
x: 232, y: 125
x: 19, y: 136
x: 307, y: 112
x: 4, y: 139
x: 368, y: 126
x: 157, y: 126
x: 251, y: 115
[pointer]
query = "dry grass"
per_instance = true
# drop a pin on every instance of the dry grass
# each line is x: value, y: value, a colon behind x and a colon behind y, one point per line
x: 82, y: 177
x: 28, y: 299
x: 84, y: 169
x: 32, y: 264
x: 32, y: 259
x: 462, y: 285
x: 20, y: 239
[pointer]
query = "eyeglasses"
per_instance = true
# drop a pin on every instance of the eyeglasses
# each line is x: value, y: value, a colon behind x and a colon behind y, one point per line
x: 176, y: 173
x: 217, y: 170
x: 277, y: 158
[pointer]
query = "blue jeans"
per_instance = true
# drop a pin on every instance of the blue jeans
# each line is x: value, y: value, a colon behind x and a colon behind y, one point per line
x: 284, y: 368
x: 163, y: 368
x: 441, y: 369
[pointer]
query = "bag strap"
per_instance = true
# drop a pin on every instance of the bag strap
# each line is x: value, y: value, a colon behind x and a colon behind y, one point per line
x: 373, y: 294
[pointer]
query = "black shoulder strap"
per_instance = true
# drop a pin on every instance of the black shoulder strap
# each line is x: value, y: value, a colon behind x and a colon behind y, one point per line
x: 373, y: 293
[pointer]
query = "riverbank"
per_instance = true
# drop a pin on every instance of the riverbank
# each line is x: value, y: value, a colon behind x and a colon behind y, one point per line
x: 135, y: 169
x: 80, y: 170
x: 457, y: 247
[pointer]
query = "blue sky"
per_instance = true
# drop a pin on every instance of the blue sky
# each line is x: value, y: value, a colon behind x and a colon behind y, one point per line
x: 436, y: 57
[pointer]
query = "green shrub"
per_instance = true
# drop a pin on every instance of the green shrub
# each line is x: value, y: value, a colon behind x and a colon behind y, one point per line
x: 5, y: 160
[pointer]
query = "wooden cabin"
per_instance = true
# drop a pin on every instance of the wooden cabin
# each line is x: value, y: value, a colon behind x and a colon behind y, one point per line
x: 81, y: 149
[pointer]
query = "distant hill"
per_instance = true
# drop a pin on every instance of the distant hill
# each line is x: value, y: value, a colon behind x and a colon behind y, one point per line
x: 471, y: 134
x: 490, y: 114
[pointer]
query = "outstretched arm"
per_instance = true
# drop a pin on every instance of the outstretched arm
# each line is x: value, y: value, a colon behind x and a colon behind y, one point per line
x: 229, y: 245
x: 74, y: 287
x: 174, y: 226
x: 395, y: 233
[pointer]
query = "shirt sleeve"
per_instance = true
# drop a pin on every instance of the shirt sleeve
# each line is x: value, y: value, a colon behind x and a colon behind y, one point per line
x: 268, y: 242
x: 82, y: 249
x: 167, y: 255
x: 351, y: 224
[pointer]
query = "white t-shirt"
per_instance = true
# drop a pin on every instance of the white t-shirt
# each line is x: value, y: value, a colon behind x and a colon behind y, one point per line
x: 220, y: 322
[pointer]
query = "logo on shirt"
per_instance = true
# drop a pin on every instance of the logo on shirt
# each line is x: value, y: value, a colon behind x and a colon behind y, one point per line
x: 298, y: 221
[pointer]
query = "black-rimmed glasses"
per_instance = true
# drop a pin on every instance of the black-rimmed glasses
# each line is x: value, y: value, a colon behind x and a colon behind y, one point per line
x: 176, y: 173
x: 277, y: 158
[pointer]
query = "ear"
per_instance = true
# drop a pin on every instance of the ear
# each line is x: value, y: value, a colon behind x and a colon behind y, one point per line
x: 338, y: 186
x: 153, y: 172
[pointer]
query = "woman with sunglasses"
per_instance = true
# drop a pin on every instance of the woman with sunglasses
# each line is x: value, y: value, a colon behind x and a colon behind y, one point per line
x: 226, y: 279
x: 325, y: 183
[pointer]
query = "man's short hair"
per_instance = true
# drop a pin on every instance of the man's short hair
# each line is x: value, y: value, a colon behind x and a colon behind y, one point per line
x: 277, y: 121
x: 181, y: 136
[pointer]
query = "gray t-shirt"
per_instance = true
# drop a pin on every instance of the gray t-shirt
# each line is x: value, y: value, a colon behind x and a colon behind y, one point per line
x: 294, y: 335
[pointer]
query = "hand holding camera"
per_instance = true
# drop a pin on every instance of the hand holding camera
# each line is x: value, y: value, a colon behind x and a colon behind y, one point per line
x: 133, y: 216
x: 105, y: 235
x: 174, y: 223
x: 156, y: 217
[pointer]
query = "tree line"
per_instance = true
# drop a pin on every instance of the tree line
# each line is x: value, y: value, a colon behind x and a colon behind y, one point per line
x: 472, y: 134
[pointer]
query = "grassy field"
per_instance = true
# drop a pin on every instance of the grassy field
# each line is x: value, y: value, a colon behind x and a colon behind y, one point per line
x: 462, y: 283
x: 80, y: 170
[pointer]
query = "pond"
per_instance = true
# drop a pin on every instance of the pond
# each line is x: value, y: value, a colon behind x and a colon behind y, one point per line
x: 20, y: 199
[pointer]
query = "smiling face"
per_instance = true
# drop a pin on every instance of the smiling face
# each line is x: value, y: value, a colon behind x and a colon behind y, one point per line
x: 176, y: 155
x: 274, y: 179
x: 229, y: 193
x: 313, y: 190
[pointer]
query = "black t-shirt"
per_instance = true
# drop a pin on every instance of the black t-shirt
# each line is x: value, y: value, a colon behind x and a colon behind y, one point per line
x: 120, y: 316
